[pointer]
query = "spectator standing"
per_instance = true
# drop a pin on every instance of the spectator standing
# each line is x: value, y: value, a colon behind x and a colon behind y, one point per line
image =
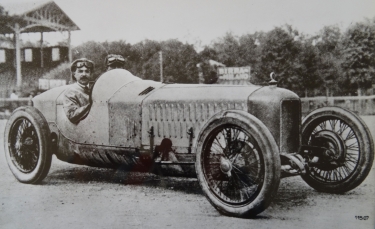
x: 14, y: 102
x: 14, y: 95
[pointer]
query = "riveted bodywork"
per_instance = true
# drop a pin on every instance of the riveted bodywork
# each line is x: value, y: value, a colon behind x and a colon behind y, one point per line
x: 174, y: 109
x: 125, y: 109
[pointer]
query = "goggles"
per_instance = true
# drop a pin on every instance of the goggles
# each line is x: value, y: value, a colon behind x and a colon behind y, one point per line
x: 115, y: 59
x: 88, y: 64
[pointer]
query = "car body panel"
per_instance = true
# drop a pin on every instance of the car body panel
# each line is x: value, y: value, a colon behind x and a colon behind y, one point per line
x: 47, y: 102
x: 279, y: 110
x: 95, y: 128
x: 130, y: 116
x: 125, y: 112
x: 174, y: 109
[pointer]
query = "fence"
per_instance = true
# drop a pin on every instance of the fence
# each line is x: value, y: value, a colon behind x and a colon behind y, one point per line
x: 362, y: 105
x: 8, y: 105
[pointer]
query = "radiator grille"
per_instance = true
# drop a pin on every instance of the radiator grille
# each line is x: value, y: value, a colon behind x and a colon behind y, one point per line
x: 290, y: 126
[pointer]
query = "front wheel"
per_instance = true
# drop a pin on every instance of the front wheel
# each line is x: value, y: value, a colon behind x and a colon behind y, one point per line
x: 350, y: 153
x: 238, y: 165
x: 27, y: 145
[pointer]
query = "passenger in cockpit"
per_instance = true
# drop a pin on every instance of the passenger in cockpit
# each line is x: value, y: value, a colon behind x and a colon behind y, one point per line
x: 113, y: 61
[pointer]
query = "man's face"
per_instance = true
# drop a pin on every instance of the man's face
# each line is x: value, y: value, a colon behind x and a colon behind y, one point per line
x: 83, y: 75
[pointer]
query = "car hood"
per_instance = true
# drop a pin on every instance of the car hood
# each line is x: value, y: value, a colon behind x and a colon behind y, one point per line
x: 201, y: 93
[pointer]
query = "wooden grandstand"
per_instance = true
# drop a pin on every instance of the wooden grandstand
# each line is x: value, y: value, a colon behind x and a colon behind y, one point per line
x: 22, y: 64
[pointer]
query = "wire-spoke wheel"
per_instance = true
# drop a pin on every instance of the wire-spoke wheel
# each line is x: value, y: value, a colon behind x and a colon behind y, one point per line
x: 349, y: 157
x: 26, y: 145
x: 233, y: 165
x: 238, y: 165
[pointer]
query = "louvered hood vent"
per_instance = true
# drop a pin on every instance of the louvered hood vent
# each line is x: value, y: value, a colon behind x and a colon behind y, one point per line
x: 146, y: 91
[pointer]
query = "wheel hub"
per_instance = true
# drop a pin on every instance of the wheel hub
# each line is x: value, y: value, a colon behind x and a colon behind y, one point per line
x: 335, y: 155
x: 225, y: 166
x: 28, y: 141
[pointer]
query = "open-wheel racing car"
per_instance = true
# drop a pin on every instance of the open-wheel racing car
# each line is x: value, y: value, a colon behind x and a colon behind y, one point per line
x: 241, y: 139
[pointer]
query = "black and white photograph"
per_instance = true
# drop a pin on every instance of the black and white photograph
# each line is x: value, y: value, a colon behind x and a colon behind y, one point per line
x: 187, y: 114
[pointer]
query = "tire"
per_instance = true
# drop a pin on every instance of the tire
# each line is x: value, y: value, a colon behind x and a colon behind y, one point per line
x: 239, y: 176
x: 27, y: 145
x: 351, y: 144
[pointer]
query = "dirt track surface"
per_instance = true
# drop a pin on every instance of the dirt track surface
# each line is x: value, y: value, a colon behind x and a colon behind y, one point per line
x: 84, y: 197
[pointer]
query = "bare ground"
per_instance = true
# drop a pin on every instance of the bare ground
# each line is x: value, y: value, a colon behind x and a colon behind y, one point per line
x: 84, y: 197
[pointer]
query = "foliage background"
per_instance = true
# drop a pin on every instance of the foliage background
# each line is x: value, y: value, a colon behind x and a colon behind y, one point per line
x: 331, y: 63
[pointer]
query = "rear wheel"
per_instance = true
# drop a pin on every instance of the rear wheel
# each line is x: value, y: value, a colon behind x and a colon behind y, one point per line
x: 27, y: 145
x: 350, y: 153
x: 238, y: 165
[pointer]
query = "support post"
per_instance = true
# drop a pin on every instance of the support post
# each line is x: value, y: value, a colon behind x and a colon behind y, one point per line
x: 161, y: 66
x: 69, y: 47
x: 41, y: 51
x: 18, y: 54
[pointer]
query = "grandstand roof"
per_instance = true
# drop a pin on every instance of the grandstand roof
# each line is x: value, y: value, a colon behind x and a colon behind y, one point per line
x: 42, y: 16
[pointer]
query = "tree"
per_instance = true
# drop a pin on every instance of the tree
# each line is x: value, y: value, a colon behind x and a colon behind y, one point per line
x: 328, y: 43
x: 2, y: 11
x: 144, y: 59
x: 307, y: 67
x: 209, y: 73
x: 179, y: 62
x: 227, y: 49
x: 278, y: 54
x: 359, y: 61
x: 249, y: 51
x: 208, y: 53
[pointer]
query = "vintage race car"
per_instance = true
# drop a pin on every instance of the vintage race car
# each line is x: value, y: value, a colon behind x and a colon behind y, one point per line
x: 241, y: 139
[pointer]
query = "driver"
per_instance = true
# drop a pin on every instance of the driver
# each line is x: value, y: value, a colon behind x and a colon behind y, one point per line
x: 76, y: 100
